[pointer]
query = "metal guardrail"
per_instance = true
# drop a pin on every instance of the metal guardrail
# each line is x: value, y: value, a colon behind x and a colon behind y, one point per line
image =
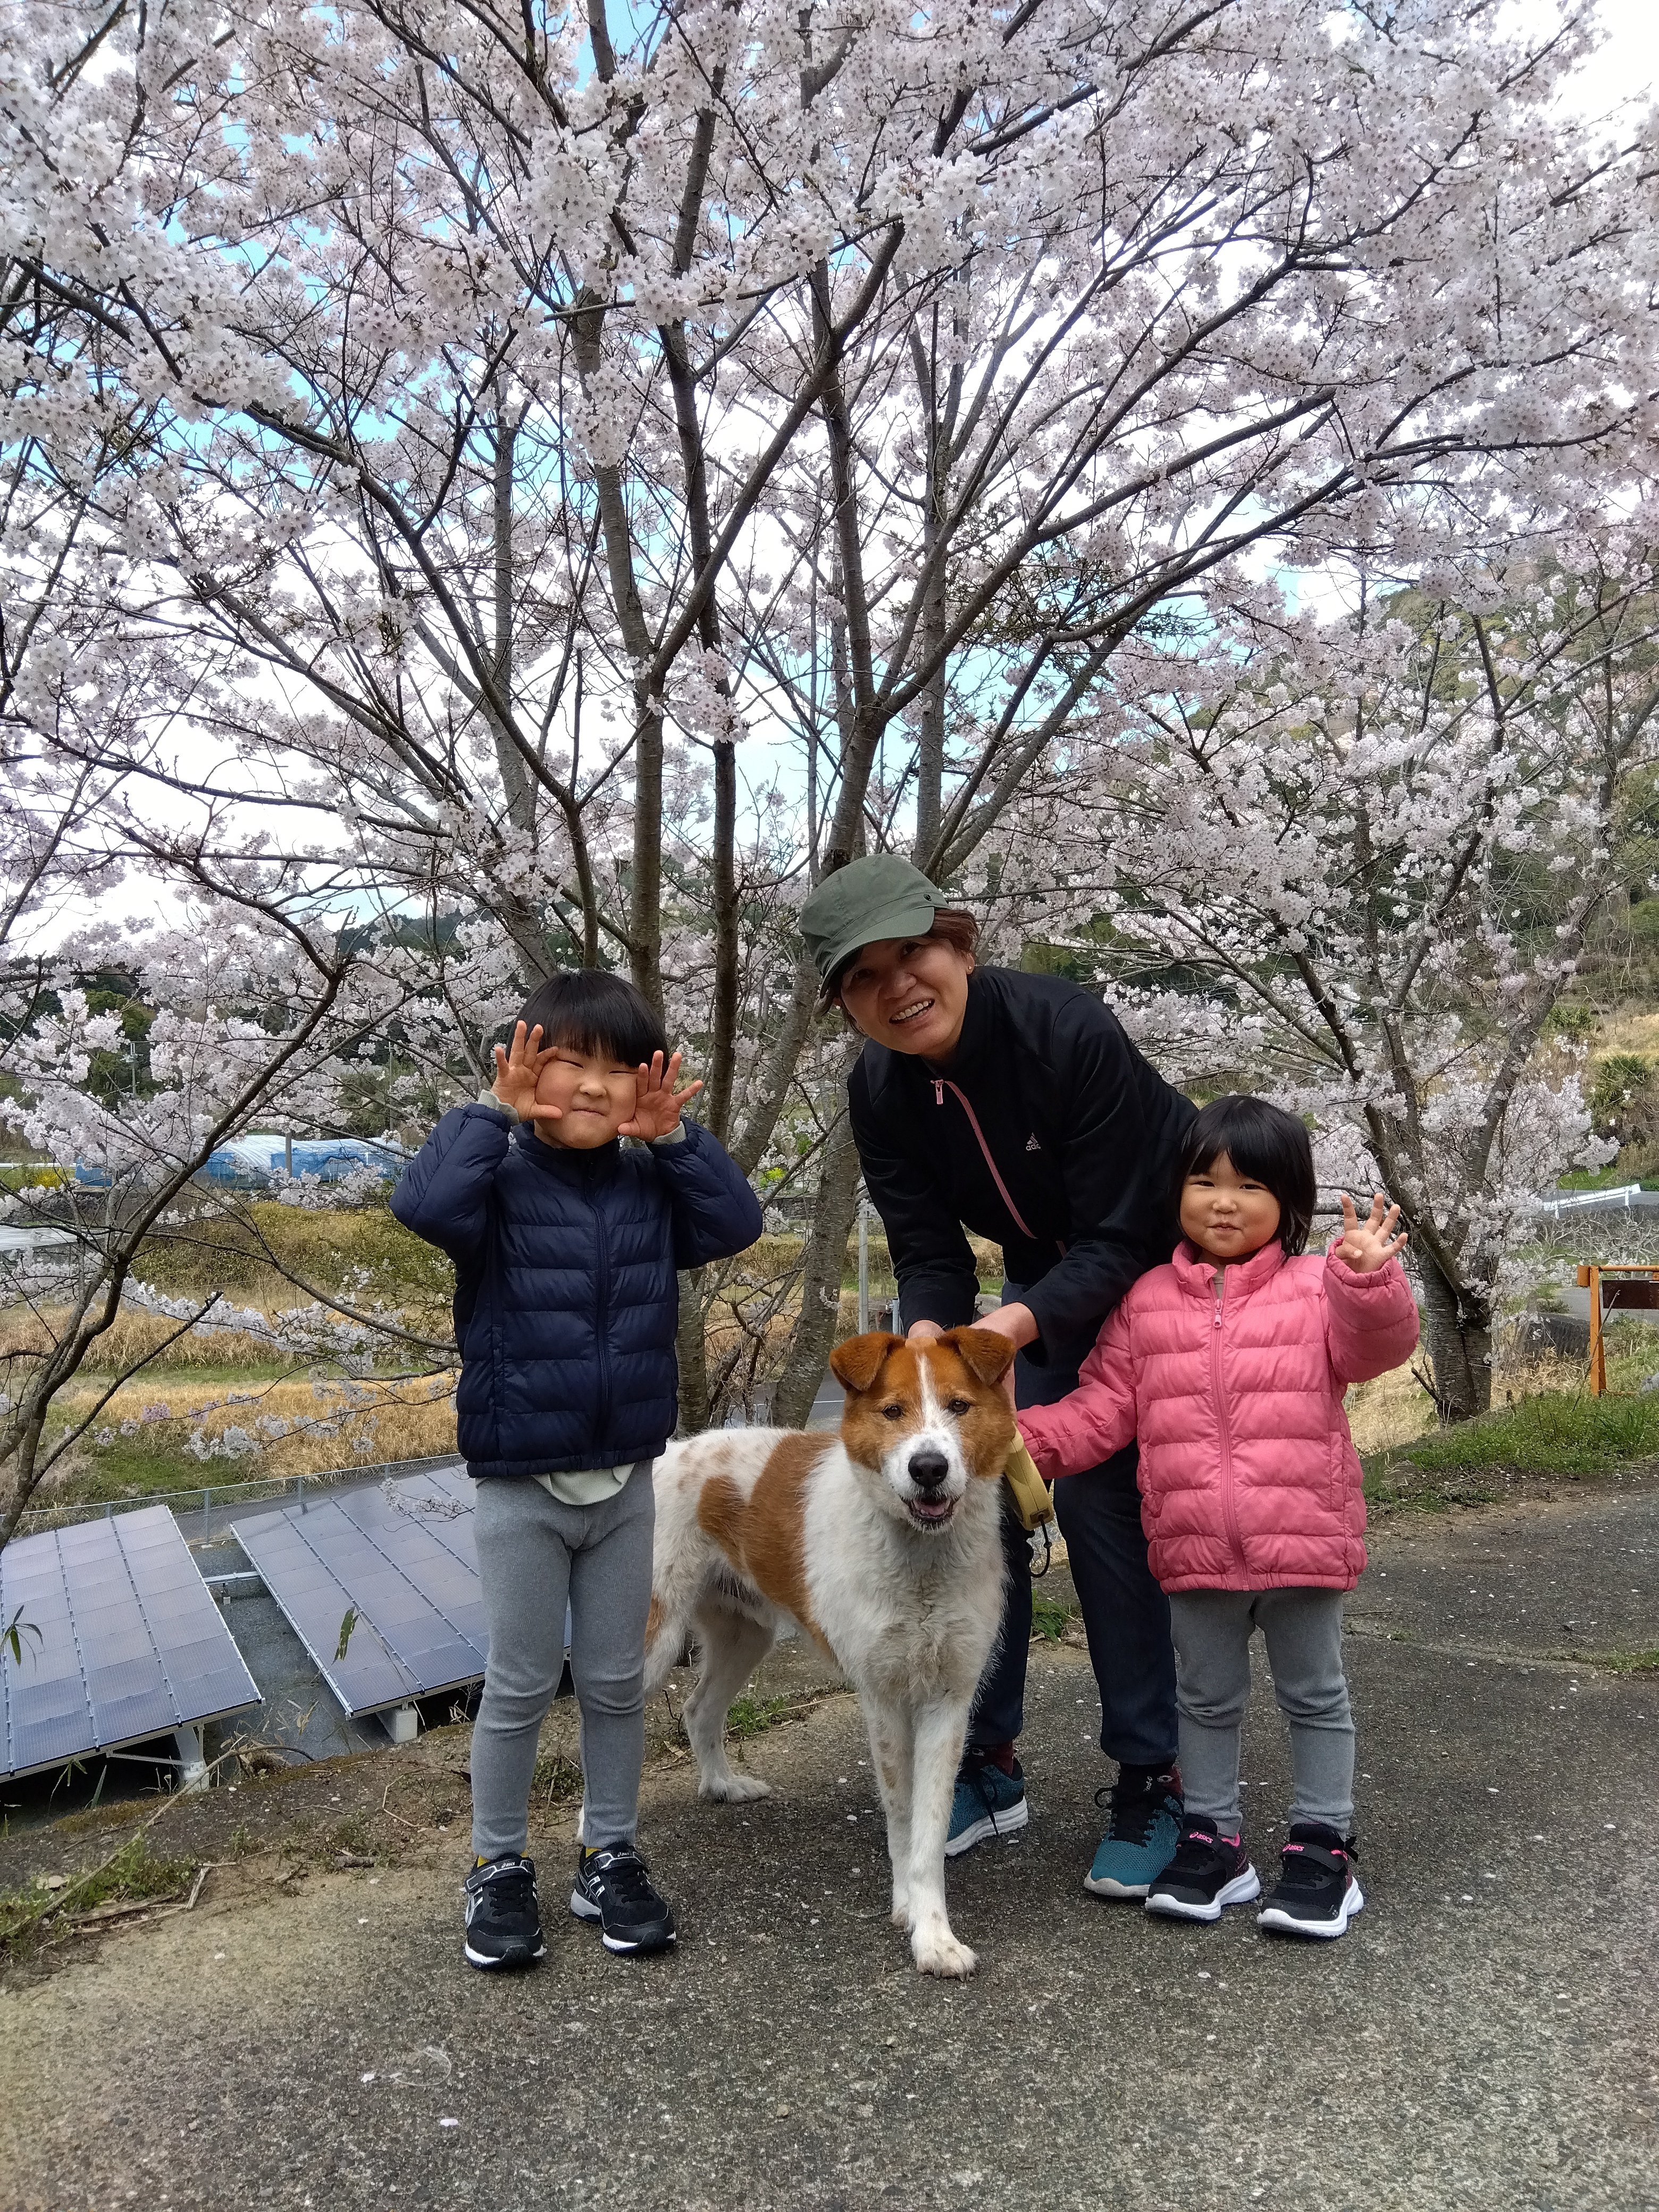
x: 37, y: 1239
x: 220, y: 1496
x: 1624, y: 1198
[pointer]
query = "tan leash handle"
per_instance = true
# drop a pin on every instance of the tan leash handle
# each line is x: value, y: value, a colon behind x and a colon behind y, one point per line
x: 1030, y: 1492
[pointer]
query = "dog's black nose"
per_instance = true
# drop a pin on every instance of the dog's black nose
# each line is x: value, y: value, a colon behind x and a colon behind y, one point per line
x: 929, y: 1469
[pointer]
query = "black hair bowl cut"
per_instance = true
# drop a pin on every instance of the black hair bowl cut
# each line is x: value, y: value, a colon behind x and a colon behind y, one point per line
x: 587, y: 1010
x: 1265, y: 1143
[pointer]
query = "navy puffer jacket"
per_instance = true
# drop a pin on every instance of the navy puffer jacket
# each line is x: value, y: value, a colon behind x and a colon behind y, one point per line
x: 565, y: 1298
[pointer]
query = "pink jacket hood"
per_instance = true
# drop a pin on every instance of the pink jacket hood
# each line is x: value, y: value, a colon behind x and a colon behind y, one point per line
x: 1249, y: 1476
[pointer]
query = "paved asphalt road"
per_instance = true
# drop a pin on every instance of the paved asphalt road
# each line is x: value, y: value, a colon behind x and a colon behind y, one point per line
x: 1487, y: 2036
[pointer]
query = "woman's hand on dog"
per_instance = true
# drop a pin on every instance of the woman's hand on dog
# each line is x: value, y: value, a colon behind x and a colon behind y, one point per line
x: 657, y: 1103
x: 1017, y: 1323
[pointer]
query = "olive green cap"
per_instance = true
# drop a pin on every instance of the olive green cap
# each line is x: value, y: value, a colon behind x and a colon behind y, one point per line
x: 867, y: 900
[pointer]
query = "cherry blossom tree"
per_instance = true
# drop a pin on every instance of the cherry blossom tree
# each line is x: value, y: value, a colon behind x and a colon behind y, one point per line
x: 260, y: 1006
x: 497, y: 424
x: 1370, y: 853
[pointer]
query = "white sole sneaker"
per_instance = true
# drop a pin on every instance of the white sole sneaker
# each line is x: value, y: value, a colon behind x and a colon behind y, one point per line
x: 1353, y: 1901
x: 1006, y: 1824
x: 583, y: 1908
x: 1134, y: 1892
x: 508, y: 1962
x: 1239, y: 1891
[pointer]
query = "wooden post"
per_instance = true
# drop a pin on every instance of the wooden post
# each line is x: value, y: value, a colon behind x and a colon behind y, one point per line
x: 1589, y: 1278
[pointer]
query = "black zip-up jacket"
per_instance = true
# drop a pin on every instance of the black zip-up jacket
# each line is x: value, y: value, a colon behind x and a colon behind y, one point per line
x: 1048, y: 1133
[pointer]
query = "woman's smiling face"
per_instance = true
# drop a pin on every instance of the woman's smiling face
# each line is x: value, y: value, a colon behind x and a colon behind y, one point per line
x: 910, y: 994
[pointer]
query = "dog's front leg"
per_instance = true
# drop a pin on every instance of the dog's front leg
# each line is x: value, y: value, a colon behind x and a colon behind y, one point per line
x: 891, y: 1749
x: 940, y: 1732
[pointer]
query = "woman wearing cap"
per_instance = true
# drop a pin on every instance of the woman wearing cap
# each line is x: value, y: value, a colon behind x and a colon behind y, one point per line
x: 1016, y: 1105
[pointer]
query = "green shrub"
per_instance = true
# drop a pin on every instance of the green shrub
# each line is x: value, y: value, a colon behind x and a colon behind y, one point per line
x: 1554, y: 1433
x: 1624, y: 1099
x: 1048, y: 1617
x: 754, y: 1716
x: 333, y: 1250
x: 25, y: 1175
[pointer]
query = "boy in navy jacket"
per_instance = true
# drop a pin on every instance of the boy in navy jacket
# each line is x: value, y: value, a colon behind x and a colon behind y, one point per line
x: 566, y: 1246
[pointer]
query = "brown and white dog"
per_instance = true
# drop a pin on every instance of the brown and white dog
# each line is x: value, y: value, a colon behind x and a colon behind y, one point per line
x: 883, y: 1544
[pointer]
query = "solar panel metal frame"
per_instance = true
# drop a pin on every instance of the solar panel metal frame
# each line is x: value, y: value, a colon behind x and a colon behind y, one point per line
x: 123, y: 1616
x: 372, y: 1553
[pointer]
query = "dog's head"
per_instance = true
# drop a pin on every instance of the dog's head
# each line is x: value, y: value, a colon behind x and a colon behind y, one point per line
x: 928, y: 1419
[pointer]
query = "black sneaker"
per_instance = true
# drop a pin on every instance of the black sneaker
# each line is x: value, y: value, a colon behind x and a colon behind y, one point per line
x: 1317, y: 1893
x: 503, y: 1923
x: 1208, y: 1871
x: 613, y: 1887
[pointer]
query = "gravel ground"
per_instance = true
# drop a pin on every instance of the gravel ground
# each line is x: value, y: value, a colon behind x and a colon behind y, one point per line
x: 1487, y: 2036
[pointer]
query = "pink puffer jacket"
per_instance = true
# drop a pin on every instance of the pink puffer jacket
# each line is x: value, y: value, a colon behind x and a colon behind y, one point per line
x: 1249, y: 1476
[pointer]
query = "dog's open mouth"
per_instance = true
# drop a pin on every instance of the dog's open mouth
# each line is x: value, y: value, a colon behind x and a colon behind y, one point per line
x: 929, y: 1512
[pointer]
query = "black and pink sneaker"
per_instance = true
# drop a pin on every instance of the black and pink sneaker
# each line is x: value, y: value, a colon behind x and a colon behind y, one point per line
x: 1209, y: 1871
x: 1316, y: 1893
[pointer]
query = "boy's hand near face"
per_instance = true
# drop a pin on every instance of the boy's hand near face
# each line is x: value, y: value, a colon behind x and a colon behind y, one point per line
x: 1367, y: 1245
x: 656, y: 1103
x: 518, y: 1069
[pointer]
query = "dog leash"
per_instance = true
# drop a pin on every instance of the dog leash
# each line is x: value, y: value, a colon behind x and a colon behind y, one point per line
x: 1033, y: 1504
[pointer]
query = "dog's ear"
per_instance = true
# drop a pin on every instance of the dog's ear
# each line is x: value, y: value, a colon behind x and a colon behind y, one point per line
x: 982, y: 1351
x: 856, y: 1364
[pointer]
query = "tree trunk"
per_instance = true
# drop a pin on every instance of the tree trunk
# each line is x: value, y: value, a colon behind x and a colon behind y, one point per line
x: 930, y: 749
x: 692, y: 1345
x: 519, y: 791
x: 771, y: 1077
x: 1457, y: 1336
x: 821, y: 1273
x: 723, y: 1037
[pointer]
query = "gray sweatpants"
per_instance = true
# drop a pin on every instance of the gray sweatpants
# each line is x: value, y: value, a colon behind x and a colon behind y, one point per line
x: 534, y: 1553
x: 1303, y: 1631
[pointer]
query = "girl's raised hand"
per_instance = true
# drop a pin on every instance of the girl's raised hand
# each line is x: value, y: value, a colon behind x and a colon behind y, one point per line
x: 1368, y: 1245
x: 518, y: 1069
x: 656, y: 1103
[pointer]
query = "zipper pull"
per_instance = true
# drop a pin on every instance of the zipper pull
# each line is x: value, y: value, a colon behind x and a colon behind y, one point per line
x: 939, y: 1091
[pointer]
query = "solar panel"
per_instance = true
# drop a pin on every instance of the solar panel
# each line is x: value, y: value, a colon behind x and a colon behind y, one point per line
x: 130, y: 1643
x: 399, y: 1559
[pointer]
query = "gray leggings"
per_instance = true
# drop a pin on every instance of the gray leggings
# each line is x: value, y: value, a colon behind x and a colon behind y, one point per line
x: 534, y: 1553
x: 1303, y: 1631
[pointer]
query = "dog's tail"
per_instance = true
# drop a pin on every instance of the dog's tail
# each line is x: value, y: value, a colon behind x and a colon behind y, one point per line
x: 680, y: 1561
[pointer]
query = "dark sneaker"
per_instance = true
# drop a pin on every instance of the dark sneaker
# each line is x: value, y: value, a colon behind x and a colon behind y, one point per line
x: 1208, y: 1871
x: 988, y: 1803
x: 613, y: 1887
x: 1142, y: 1824
x: 503, y: 1922
x: 1317, y: 1893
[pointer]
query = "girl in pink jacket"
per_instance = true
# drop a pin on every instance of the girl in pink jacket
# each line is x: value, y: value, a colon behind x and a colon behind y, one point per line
x: 1229, y: 1365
